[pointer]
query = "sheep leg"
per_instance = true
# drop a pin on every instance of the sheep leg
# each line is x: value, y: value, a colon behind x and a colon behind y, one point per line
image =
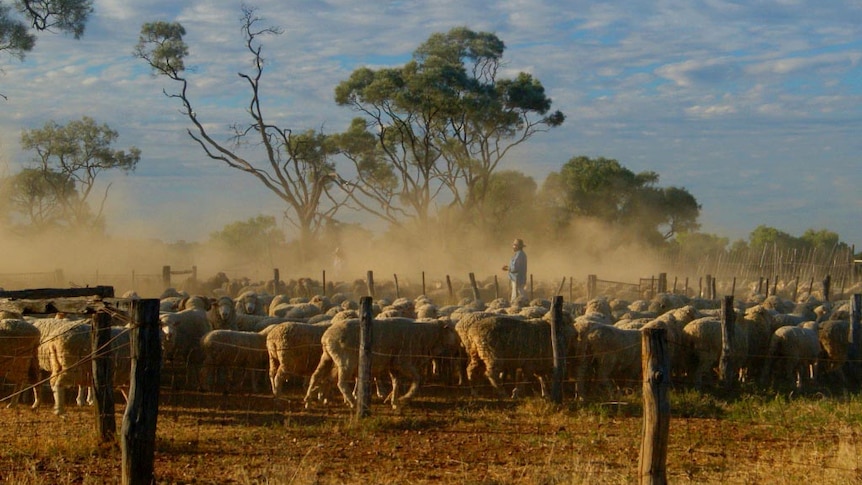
x: 324, y: 369
x: 344, y: 385
x: 492, y: 373
x: 59, y: 398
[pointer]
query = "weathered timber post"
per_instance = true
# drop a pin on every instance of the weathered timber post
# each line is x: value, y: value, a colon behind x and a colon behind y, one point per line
x: 423, y: 284
x: 827, y: 284
x: 775, y: 286
x: 854, y: 347
x: 142, y: 409
x: 795, y: 288
x: 714, y: 292
x: 166, y: 276
x: 449, y: 286
x: 397, y: 289
x: 674, y: 284
x: 767, y: 288
x: 103, y: 377
x: 655, y: 363
x: 531, y: 286
x: 322, y: 282
x: 662, y: 282
x: 733, y: 287
x: 560, y: 289
x: 760, y: 285
x: 558, y: 345
x: 810, y: 286
x: 496, y: 288
x: 476, y: 296
x: 363, y: 379
x: 592, y: 286
x: 725, y: 362
x: 369, y: 282
x: 686, y: 286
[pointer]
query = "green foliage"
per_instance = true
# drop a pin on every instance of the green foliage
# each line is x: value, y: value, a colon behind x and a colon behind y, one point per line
x: 35, y: 200
x: 68, y: 16
x: 68, y: 160
x: 161, y: 45
x: 441, y: 123
x: 256, y: 236
x: 605, y: 190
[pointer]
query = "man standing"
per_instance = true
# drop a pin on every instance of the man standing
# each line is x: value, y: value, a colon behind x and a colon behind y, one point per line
x: 517, y: 269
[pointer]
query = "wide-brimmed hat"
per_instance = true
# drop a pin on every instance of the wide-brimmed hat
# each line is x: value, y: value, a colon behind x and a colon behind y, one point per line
x: 519, y: 243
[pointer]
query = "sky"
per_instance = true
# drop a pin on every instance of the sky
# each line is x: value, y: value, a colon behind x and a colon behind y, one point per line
x: 754, y: 107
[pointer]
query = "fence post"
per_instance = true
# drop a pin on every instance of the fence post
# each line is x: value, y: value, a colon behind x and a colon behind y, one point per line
x: 827, y: 283
x: 662, y: 282
x: 103, y: 377
x: 423, y: 284
x: 449, y: 286
x: 166, y: 276
x: 655, y: 363
x: 592, y: 284
x: 369, y: 282
x: 142, y: 410
x: 496, y: 288
x: 397, y: 289
x: 725, y: 362
x: 854, y: 348
x: 363, y: 379
x: 558, y: 345
x: 476, y: 296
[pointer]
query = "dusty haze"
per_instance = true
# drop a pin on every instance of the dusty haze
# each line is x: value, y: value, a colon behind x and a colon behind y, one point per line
x: 89, y: 261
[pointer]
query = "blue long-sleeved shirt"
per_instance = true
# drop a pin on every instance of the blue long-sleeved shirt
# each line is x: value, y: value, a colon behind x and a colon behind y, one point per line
x: 518, y: 268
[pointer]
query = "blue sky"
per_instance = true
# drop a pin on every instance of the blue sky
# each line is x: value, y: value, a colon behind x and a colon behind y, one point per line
x: 755, y: 107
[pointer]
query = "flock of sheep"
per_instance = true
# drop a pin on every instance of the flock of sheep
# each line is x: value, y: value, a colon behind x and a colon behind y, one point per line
x: 223, y: 341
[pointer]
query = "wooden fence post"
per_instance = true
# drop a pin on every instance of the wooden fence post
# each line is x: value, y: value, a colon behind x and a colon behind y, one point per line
x: 103, y: 377
x: 166, y: 276
x: 363, y: 379
x: 827, y: 284
x: 496, y: 288
x: 397, y: 288
x: 423, y: 285
x: 854, y: 348
x: 655, y: 363
x: 369, y: 282
x: 142, y: 410
x: 592, y: 284
x: 322, y: 282
x: 558, y: 345
x: 662, y: 282
x: 476, y: 296
x: 725, y: 362
x: 451, y: 293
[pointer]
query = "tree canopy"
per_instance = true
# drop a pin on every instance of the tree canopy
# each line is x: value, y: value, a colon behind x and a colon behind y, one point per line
x: 435, y: 129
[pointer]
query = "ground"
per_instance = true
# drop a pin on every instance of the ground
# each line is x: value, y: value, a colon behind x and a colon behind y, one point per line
x: 213, y: 438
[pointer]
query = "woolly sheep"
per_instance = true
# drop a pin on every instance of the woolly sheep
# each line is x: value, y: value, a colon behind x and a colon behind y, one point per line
x: 502, y: 344
x: 294, y: 349
x: 408, y: 346
x: 610, y: 354
x: 251, y: 303
x: 233, y: 352
x: 19, y: 357
x: 792, y: 357
x: 182, y: 332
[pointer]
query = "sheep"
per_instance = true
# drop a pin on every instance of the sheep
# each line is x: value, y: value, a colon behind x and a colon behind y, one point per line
x: 294, y: 349
x: 792, y: 357
x: 834, y: 344
x: 610, y: 353
x: 402, y: 348
x: 19, y: 357
x: 702, y: 343
x: 182, y: 332
x: 251, y: 303
x: 222, y: 315
x: 231, y: 351
x: 65, y: 352
x: 498, y: 344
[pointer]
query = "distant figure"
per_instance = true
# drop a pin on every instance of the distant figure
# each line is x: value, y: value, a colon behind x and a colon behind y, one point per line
x: 517, y: 269
x: 337, y: 262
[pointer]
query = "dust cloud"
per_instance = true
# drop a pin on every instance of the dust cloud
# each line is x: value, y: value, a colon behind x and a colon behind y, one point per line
x: 136, y: 263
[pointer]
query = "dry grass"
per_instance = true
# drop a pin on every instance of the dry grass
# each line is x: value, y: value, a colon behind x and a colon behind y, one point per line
x: 449, y: 437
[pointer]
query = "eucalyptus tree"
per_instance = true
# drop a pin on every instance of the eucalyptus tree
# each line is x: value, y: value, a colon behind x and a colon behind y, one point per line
x: 298, y: 168
x: 434, y: 130
x: 70, y: 158
x: 17, y: 25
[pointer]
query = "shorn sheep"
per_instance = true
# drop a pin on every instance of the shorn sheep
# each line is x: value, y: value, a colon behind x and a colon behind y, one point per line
x: 19, y: 358
x: 402, y: 349
x: 294, y: 349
